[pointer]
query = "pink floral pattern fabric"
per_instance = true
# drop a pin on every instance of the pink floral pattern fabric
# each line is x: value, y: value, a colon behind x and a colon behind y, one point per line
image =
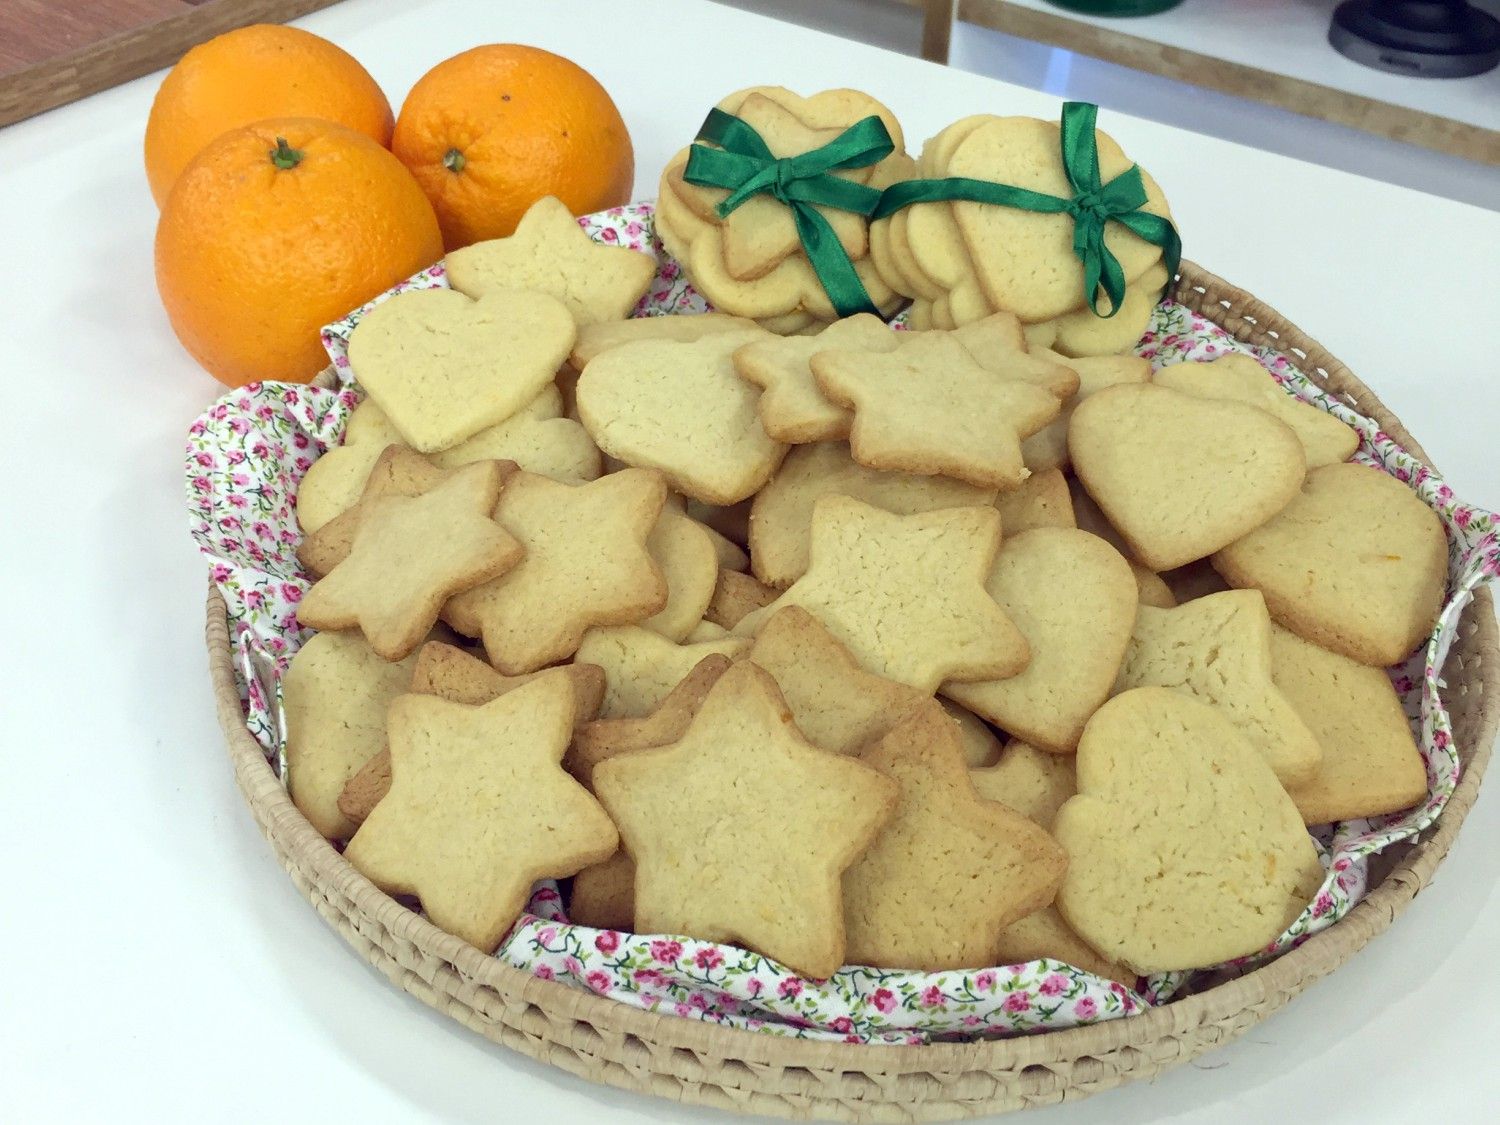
x: 246, y: 456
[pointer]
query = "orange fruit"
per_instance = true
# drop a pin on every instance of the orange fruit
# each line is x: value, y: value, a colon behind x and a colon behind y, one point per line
x: 489, y: 132
x: 277, y: 229
x: 249, y: 75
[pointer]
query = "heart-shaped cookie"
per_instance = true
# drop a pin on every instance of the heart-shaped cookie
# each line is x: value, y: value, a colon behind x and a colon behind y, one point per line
x: 1355, y: 563
x: 1024, y: 260
x: 1183, y: 848
x: 1180, y: 477
x: 443, y: 367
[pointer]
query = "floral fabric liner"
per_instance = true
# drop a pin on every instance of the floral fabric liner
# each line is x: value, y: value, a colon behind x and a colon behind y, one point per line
x: 246, y: 456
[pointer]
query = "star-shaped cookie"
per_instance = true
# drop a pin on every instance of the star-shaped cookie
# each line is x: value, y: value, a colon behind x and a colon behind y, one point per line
x: 409, y: 555
x: 930, y: 407
x: 586, y: 564
x: 452, y: 674
x: 398, y: 471
x: 550, y: 253
x: 604, y: 894
x: 907, y: 594
x: 792, y: 408
x: 951, y: 870
x: 480, y: 808
x: 998, y: 343
x: 763, y: 826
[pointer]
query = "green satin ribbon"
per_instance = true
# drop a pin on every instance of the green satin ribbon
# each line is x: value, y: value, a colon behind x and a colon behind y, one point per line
x: 1093, y: 205
x: 743, y: 165
x: 747, y: 168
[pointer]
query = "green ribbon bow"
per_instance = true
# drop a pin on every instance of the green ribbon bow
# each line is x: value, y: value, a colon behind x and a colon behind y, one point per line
x: 744, y: 165
x: 1093, y: 205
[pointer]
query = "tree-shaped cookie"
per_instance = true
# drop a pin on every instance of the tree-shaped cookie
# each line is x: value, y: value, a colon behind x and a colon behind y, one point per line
x: 762, y: 826
x: 480, y: 808
x: 1218, y: 648
x: 680, y: 407
x: 951, y: 869
x: 550, y: 253
x: 930, y: 407
x: 907, y: 594
x: 410, y: 554
x: 836, y: 703
x: 1074, y: 600
x: 586, y: 564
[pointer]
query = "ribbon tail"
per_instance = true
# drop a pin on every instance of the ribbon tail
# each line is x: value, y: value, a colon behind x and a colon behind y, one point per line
x: 831, y: 263
x: 1103, y: 270
x: 1159, y: 232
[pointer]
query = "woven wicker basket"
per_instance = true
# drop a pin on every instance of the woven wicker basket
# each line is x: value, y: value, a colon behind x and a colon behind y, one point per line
x: 689, y: 1061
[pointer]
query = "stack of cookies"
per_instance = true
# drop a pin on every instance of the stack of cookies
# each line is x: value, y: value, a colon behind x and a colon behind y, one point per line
x: 922, y: 650
x: 960, y: 262
x: 751, y: 262
x: 956, y: 261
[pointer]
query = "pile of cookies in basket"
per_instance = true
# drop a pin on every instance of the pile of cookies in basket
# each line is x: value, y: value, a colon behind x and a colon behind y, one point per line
x: 957, y: 646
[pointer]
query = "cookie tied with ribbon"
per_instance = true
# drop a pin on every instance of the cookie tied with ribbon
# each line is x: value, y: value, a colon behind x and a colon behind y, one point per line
x: 769, y: 210
x: 1018, y: 214
x: 775, y: 217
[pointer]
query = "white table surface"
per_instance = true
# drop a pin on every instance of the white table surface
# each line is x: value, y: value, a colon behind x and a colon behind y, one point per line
x: 158, y: 965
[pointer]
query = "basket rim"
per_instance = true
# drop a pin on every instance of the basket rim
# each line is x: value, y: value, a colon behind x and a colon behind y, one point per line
x: 1246, y: 318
